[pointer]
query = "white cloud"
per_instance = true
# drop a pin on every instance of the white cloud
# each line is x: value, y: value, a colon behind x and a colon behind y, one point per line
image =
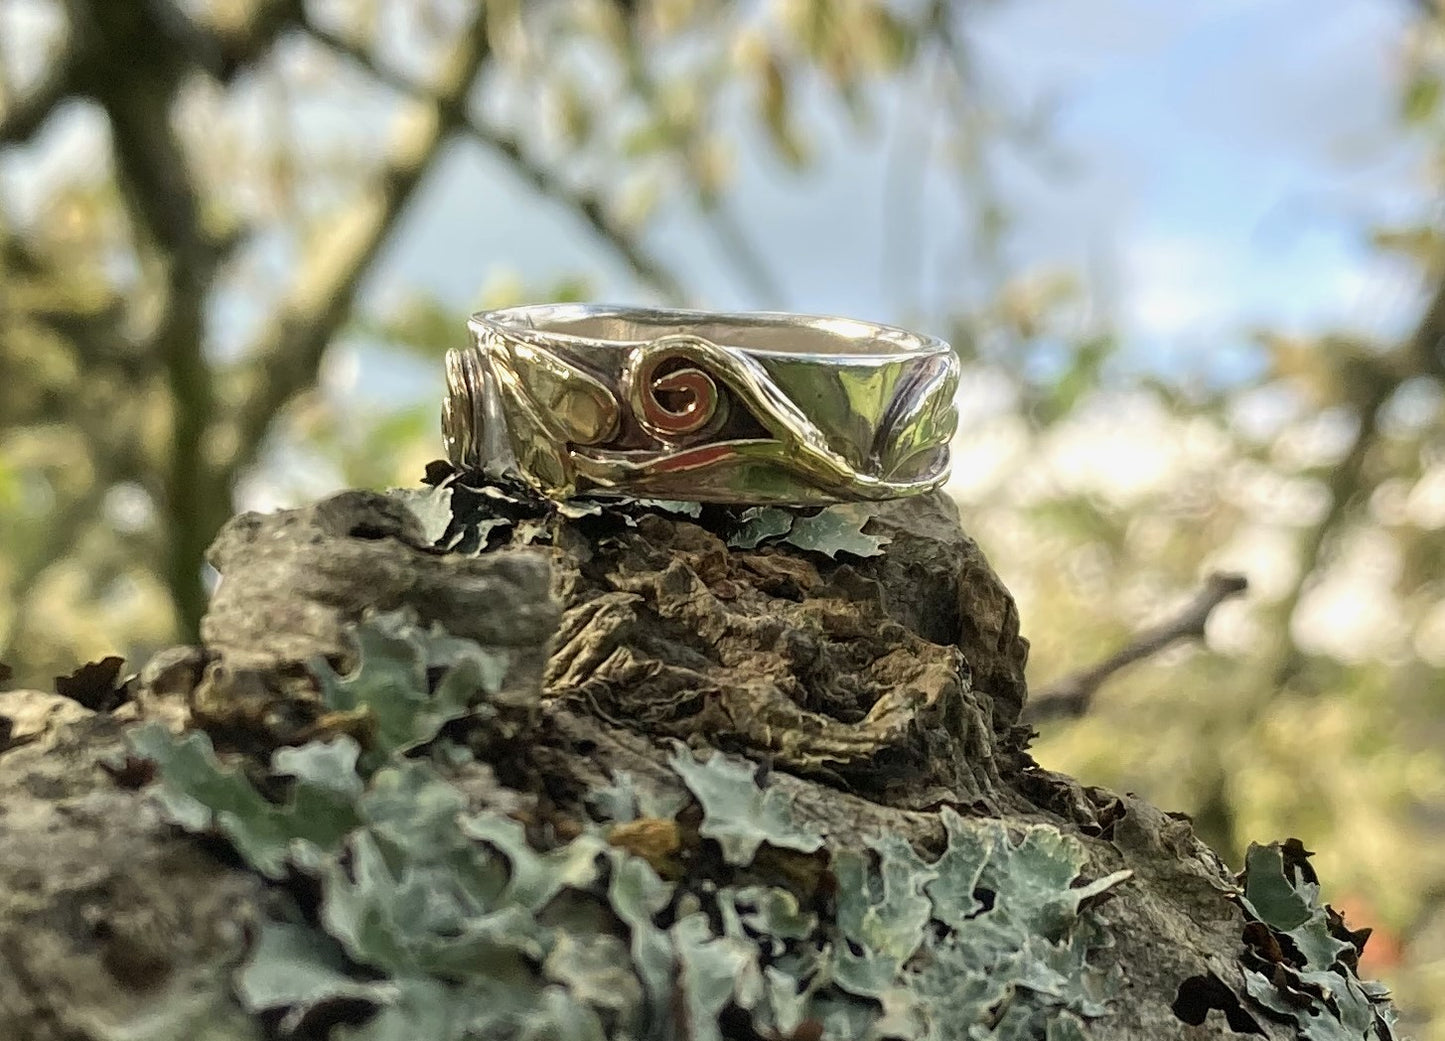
x: 1172, y: 286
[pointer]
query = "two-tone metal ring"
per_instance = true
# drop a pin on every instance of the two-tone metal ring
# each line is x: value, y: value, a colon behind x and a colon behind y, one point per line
x: 700, y: 406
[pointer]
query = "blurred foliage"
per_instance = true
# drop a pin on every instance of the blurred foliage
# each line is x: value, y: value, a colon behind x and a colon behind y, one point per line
x: 180, y: 272
x: 1105, y: 494
x: 180, y: 324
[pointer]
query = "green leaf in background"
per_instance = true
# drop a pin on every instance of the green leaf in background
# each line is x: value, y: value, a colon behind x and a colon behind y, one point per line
x: 422, y: 325
x: 1422, y: 98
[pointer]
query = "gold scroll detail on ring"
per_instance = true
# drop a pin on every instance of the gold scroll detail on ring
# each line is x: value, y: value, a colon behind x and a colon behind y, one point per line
x: 672, y: 403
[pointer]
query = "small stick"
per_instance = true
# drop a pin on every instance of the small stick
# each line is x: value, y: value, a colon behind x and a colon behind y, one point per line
x: 1071, y: 696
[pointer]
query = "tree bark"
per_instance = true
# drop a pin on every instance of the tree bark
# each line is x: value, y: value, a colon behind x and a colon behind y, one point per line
x: 875, y: 699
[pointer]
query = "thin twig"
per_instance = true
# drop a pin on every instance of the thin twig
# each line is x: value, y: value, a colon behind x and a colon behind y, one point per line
x: 648, y: 270
x: 1073, y: 695
x: 721, y: 222
x: 21, y: 116
x: 239, y: 46
x: 645, y: 267
x: 742, y: 253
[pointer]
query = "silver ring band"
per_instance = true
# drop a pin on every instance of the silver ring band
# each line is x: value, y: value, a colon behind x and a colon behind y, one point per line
x: 707, y: 407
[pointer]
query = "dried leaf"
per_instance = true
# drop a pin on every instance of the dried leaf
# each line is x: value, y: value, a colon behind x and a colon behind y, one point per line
x: 655, y: 841
x: 439, y: 471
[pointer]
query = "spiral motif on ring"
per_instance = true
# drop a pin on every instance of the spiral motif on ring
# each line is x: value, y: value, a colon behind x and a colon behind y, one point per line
x: 683, y: 400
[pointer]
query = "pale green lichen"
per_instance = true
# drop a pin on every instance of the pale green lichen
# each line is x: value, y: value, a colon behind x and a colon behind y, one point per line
x: 434, y: 922
x: 836, y: 529
x: 390, y: 682
x: 1308, y: 977
x: 201, y: 795
x: 1006, y: 967
x: 432, y: 507
x: 622, y: 800
x: 758, y: 524
x: 738, y: 814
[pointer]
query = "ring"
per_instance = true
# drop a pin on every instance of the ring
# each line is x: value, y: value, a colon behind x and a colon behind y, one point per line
x: 748, y: 408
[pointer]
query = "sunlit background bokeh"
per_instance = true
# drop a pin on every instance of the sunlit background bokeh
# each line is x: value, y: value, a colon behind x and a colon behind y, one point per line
x: 1189, y: 252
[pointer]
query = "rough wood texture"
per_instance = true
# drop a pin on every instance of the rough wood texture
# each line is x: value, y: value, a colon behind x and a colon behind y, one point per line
x: 878, y: 691
x: 291, y: 581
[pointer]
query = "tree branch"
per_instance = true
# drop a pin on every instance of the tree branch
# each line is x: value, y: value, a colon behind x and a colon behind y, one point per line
x: 741, y: 252
x: 284, y: 359
x: 226, y: 40
x: 22, y: 116
x: 239, y: 45
x: 1072, y: 696
x: 747, y: 262
x: 645, y: 267
x: 1427, y: 342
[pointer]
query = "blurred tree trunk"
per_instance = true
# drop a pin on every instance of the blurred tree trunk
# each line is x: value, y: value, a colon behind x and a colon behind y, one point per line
x: 134, y: 60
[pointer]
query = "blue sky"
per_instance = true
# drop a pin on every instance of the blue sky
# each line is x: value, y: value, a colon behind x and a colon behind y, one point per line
x: 1221, y: 161
x: 1213, y: 166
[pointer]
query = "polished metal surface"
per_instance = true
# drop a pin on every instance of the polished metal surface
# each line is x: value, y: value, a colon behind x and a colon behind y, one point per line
x: 708, y: 407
